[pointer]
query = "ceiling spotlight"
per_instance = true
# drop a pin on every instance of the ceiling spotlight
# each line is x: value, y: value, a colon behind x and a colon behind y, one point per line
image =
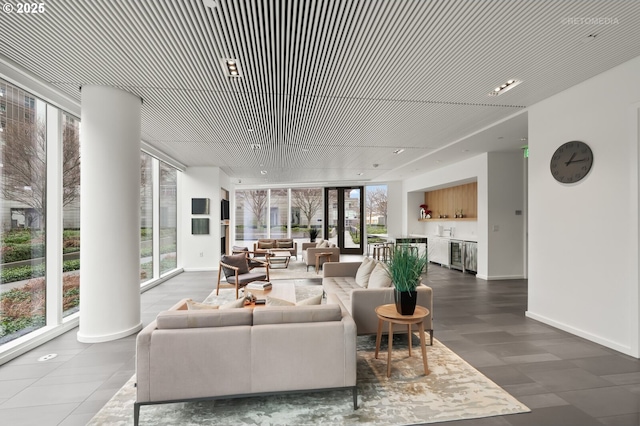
x: 360, y: 174
x: 255, y: 146
x: 510, y: 84
x: 305, y: 149
x: 250, y: 130
x: 398, y: 151
x: 231, y: 67
x: 210, y: 3
x: 263, y: 172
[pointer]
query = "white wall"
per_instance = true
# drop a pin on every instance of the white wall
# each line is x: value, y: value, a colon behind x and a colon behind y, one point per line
x: 395, y: 216
x: 583, y: 238
x: 201, y: 252
x: 506, y: 229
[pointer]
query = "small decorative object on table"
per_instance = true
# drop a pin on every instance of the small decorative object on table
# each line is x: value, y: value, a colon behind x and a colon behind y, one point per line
x: 259, y: 285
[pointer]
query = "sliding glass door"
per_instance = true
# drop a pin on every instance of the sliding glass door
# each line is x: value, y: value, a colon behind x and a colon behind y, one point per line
x: 343, y: 212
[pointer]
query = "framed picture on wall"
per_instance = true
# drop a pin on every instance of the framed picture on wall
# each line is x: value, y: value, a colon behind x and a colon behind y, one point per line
x: 199, y: 226
x: 199, y: 206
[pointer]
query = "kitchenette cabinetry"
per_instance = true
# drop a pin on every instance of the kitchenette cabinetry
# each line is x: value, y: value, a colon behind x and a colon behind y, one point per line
x: 439, y: 251
x: 453, y: 253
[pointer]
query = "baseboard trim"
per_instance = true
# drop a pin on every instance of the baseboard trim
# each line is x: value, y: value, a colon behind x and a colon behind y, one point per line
x: 625, y: 349
x: 499, y: 277
x: 207, y: 269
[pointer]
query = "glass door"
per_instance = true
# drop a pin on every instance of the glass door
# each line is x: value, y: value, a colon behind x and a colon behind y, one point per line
x: 344, y: 210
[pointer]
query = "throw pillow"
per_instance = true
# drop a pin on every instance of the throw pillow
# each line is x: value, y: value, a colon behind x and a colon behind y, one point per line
x: 197, y: 306
x: 265, y: 245
x: 239, y: 248
x: 238, y: 260
x: 313, y: 300
x: 238, y: 303
x: 379, y: 277
x: 284, y: 244
x: 364, y: 272
x: 324, y: 244
x: 318, y: 242
x: 274, y: 301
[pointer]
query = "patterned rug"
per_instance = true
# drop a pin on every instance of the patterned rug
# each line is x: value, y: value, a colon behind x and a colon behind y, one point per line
x: 452, y: 391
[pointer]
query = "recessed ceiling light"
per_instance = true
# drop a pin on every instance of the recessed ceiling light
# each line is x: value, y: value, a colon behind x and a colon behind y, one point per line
x: 250, y: 130
x: 523, y: 139
x: 398, y: 151
x: 263, y: 172
x: 231, y: 67
x: 255, y: 146
x: 510, y: 84
x: 360, y: 174
x: 210, y: 3
x: 305, y: 149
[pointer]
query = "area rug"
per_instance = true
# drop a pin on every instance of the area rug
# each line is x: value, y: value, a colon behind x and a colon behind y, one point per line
x: 452, y: 391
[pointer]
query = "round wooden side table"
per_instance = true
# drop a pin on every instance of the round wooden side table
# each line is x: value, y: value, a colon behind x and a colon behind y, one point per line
x: 389, y: 314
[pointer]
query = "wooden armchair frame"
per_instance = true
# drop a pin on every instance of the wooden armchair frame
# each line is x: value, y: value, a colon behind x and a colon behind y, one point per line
x: 242, y: 280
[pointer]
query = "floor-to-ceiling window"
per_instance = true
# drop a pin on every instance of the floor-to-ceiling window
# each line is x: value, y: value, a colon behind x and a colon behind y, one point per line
x: 251, y: 216
x: 37, y: 139
x: 23, y: 139
x: 146, y: 217
x: 278, y: 212
x: 168, y: 218
x: 70, y: 214
x: 306, y: 212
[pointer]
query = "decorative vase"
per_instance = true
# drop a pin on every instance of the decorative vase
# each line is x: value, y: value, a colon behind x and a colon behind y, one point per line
x: 405, y: 301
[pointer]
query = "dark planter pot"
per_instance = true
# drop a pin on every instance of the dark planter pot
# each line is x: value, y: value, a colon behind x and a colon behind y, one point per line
x: 406, y: 301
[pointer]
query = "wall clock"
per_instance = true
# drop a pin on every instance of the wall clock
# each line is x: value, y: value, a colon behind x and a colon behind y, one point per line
x: 571, y: 162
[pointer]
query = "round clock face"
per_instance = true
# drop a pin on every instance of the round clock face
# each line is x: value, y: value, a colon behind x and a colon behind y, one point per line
x: 571, y: 162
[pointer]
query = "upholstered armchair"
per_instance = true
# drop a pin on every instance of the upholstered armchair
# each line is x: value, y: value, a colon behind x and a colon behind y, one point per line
x: 236, y: 270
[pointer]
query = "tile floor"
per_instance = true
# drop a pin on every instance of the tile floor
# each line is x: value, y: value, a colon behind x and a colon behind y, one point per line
x: 565, y: 380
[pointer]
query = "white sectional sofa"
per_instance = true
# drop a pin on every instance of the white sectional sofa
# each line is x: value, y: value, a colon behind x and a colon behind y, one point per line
x: 340, y: 286
x: 211, y: 354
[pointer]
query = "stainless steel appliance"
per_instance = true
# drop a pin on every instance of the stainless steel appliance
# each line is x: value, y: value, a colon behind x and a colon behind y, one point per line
x: 456, y: 255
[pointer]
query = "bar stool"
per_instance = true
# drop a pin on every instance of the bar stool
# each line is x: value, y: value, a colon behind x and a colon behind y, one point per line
x: 381, y: 251
x: 413, y: 249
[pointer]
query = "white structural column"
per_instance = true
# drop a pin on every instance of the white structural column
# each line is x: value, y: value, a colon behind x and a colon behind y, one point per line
x: 109, y: 214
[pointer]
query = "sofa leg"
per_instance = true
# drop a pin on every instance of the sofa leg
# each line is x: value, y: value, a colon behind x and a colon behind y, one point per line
x: 355, y: 397
x: 136, y: 413
x: 431, y: 337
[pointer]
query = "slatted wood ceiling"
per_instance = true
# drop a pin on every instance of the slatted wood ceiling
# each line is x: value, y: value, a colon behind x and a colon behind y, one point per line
x: 329, y: 88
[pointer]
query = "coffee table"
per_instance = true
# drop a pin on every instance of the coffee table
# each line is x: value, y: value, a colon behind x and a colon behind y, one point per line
x: 279, y: 257
x: 285, y: 290
x: 390, y: 314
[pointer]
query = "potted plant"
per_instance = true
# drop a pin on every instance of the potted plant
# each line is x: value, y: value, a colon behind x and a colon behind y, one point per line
x: 313, y: 234
x: 405, y: 267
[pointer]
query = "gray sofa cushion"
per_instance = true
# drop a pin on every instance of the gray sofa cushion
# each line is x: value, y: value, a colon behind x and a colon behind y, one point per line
x: 203, y: 318
x: 296, y: 314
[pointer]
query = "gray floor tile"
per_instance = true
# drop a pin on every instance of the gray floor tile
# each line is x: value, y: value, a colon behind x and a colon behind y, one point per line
x: 44, y: 415
x: 565, y: 380
x: 623, y: 379
x: 603, y: 402
x: 51, y: 395
x: 621, y: 420
x: 532, y: 358
x: 574, y: 350
x: 9, y: 388
x: 505, y: 375
x: 542, y: 400
x: 566, y: 415
x: 609, y: 364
